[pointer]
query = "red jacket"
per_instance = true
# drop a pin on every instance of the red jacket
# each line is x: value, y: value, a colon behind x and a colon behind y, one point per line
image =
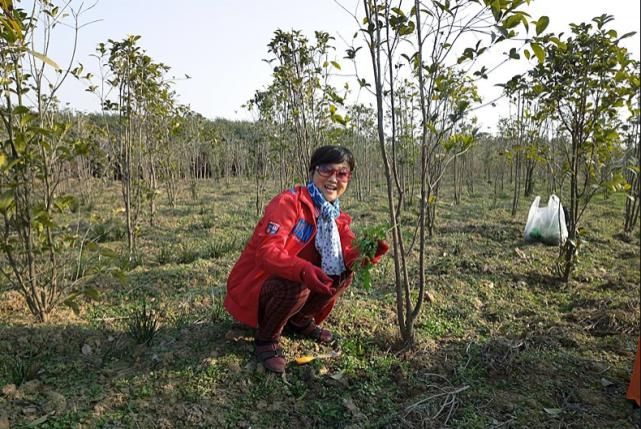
x: 288, y: 225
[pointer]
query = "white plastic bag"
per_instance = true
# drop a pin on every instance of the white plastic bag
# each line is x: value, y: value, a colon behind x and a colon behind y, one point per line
x: 546, y: 224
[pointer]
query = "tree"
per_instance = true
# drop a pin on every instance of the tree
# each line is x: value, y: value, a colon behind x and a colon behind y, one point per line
x: 632, y: 158
x: 141, y: 93
x: 302, y: 90
x: 583, y: 82
x: 45, y: 258
x: 445, y: 92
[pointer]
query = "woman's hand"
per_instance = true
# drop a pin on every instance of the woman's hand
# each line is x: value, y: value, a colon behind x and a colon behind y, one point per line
x: 316, y: 280
x: 382, y: 249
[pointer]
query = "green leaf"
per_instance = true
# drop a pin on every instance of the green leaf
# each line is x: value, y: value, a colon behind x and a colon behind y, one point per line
x: 92, y: 293
x: 538, y: 51
x: 541, y: 24
x: 557, y: 41
x: 496, y: 9
x: 12, y: 27
x: 407, y: 29
x: 45, y: 59
x: 20, y: 110
x: 6, y: 5
x: 512, y: 21
x: 64, y: 202
x: 626, y: 35
x: 398, y: 11
x: 336, y: 65
x: 120, y: 275
x: 6, y: 201
x: 69, y: 302
x: 106, y: 252
x: 338, y: 118
x: 441, y: 6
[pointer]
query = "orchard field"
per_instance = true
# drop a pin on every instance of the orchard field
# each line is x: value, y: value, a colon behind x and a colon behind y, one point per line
x: 504, y: 343
x: 120, y: 222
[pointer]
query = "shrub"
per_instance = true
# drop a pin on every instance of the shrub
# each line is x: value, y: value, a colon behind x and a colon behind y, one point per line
x: 143, y: 324
x: 110, y: 230
x: 221, y: 247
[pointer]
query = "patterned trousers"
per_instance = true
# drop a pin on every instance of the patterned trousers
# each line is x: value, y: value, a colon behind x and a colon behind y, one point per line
x: 283, y: 300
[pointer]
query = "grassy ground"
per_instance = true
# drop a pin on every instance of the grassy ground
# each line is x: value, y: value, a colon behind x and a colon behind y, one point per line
x: 503, y: 345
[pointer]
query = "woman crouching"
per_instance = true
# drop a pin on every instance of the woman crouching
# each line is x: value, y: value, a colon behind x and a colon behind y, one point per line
x: 297, y: 263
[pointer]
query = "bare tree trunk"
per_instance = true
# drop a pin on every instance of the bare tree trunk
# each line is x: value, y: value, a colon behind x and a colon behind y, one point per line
x: 457, y: 186
x: 517, y: 183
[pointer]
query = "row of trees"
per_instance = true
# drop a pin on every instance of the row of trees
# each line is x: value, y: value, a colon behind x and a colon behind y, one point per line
x: 570, y: 107
x: 571, y: 110
x: 575, y: 131
x: 142, y: 138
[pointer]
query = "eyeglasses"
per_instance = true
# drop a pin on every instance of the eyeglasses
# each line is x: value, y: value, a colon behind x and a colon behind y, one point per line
x: 342, y: 174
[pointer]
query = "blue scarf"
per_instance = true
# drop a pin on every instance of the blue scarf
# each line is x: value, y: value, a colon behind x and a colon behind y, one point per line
x: 328, y: 241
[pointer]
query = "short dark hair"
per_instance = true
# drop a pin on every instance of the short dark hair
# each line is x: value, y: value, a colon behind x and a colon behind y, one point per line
x: 331, y: 155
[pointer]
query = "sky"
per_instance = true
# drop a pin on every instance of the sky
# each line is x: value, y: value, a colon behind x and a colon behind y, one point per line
x: 221, y: 44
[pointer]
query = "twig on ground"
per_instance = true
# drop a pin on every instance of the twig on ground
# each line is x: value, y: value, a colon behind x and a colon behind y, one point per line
x: 448, y: 405
x: 111, y: 319
x: 429, y: 398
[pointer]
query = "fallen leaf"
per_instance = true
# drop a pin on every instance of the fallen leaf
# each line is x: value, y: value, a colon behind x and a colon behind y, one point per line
x: 9, y: 390
x: 477, y: 302
x: 487, y: 269
x: 29, y: 411
x: 554, y: 412
x: 284, y: 378
x: 56, y: 402
x: 38, y: 421
x: 605, y: 382
x: 488, y: 284
x: 520, y: 253
x: 351, y: 406
x: 29, y: 388
x: 304, y: 359
x: 86, y: 349
x: 338, y: 375
x: 234, y: 367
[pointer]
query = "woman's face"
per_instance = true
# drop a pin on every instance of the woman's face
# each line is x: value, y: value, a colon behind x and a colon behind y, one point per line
x: 332, y: 179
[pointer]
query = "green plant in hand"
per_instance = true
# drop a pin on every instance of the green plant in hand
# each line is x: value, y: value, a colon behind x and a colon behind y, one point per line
x: 367, y: 243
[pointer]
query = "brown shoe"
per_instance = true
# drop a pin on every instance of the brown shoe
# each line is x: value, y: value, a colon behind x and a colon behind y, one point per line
x: 271, y: 356
x: 314, y: 332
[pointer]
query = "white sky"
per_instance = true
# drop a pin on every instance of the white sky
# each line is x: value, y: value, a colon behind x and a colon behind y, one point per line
x: 221, y: 43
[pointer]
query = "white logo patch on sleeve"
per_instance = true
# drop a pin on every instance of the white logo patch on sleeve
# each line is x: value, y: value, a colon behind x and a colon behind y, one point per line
x: 272, y: 228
